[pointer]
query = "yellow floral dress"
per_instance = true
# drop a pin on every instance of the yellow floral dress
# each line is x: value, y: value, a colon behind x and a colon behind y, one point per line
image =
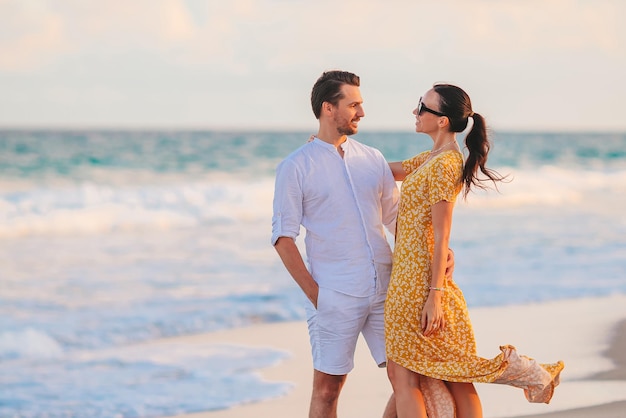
x: 450, y: 354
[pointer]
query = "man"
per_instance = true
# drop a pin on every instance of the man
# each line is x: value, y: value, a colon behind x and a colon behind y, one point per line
x: 344, y: 194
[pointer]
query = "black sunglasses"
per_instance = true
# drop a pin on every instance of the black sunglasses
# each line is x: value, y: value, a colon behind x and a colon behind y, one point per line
x: 421, y: 108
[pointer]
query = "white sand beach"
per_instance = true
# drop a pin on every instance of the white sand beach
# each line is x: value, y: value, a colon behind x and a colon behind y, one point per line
x: 579, y: 332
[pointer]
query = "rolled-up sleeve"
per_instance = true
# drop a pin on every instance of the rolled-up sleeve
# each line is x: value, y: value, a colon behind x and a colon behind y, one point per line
x: 287, y: 214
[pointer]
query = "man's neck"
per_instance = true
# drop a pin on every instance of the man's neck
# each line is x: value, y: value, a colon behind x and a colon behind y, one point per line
x: 331, y: 136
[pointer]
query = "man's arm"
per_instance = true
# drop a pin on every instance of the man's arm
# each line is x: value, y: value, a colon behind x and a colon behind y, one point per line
x: 292, y: 259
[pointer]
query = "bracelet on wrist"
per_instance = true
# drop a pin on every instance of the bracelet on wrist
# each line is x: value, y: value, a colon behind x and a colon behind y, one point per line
x: 441, y: 289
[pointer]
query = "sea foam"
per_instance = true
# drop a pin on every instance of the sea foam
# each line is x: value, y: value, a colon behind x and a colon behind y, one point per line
x: 30, y: 343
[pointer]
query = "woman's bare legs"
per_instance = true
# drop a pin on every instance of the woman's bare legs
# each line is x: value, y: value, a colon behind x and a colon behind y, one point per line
x: 466, y: 400
x: 405, y: 383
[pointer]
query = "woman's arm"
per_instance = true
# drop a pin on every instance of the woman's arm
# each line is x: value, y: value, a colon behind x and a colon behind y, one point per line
x: 432, y: 315
x: 398, y: 172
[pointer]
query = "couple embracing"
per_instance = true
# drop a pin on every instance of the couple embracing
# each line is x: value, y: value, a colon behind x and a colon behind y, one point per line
x: 411, y: 313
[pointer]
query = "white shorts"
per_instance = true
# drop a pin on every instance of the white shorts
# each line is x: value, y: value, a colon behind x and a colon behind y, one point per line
x: 335, y: 325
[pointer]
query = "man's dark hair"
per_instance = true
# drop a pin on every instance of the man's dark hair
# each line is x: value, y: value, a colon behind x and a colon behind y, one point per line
x: 327, y: 88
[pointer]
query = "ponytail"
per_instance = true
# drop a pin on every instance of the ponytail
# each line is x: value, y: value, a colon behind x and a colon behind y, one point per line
x: 457, y: 106
x: 478, y: 146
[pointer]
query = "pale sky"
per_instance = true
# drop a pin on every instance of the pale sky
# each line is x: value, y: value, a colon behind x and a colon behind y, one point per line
x: 250, y: 64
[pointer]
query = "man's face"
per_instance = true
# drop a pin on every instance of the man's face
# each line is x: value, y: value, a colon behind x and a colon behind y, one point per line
x: 349, y: 111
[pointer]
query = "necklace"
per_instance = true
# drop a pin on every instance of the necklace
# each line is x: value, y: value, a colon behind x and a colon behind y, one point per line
x: 442, y: 147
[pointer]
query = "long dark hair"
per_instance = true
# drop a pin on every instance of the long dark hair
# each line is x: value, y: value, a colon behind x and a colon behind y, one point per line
x: 327, y: 88
x: 457, y: 106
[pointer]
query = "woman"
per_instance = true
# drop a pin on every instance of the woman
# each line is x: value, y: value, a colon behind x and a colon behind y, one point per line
x: 431, y: 352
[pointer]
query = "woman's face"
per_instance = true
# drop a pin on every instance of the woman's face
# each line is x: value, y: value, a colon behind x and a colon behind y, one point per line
x: 427, y: 112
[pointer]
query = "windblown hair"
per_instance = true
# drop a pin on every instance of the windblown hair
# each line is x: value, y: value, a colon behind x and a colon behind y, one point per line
x: 457, y: 106
x: 327, y: 88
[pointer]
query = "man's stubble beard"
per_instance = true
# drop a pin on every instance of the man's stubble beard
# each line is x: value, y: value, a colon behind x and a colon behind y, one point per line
x: 346, y: 129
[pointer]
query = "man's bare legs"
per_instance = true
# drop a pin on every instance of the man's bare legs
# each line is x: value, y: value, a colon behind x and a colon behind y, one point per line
x: 326, y: 389
x: 466, y: 400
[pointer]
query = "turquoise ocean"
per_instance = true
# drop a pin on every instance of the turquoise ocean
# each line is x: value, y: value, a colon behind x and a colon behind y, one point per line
x: 113, y: 241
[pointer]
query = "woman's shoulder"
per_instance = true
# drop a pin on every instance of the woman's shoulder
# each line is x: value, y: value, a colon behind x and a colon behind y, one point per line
x: 450, y: 162
x: 450, y: 157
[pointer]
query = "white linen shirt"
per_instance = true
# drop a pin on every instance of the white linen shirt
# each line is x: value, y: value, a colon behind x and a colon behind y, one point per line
x: 343, y: 204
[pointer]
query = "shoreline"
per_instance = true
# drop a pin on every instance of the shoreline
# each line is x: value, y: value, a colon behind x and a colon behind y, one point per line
x: 588, y: 334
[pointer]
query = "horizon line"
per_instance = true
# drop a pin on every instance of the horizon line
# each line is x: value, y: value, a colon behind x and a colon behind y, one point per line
x: 277, y: 129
